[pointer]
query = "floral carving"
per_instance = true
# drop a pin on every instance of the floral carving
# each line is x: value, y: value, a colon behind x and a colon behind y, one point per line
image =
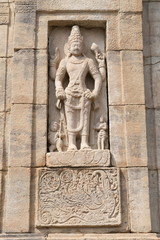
x: 80, y: 197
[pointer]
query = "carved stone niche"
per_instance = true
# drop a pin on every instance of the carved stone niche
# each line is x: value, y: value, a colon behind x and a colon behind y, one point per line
x: 79, y: 197
x: 89, y: 193
x: 78, y: 112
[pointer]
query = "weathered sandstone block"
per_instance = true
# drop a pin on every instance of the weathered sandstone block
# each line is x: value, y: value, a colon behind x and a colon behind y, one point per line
x: 81, y: 5
x: 128, y: 135
x: 117, y: 135
x: 39, y: 145
x: 17, y: 204
x: 23, y: 76
x: 3, y: 43
x: 136, y: 142
x: 157, y: 136
x: 146, y: 31
x: 131, y: 39
x: 154, y: 199
x: 151, y: 140
x: 139, y: 200
x: 148, y: 82
x: 41, y: 71
x: 21, y: 133
x: 2, y: 127
x: 115, y: 86
x: 2, y: 83
x: 112, y: 41
x: 155, y: 78
x: 130, y: 5
x: 132, y: 77
x: 25, y: 23
x: 125, y: 77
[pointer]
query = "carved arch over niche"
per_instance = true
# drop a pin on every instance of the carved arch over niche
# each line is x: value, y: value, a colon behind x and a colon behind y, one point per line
x: 58, y: 50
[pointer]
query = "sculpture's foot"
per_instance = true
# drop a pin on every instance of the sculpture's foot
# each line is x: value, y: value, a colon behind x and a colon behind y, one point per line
x: 72, y: 147
x: 85, y: 146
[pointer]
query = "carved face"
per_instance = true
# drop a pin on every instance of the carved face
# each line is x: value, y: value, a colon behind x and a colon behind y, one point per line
x: 76, y: 48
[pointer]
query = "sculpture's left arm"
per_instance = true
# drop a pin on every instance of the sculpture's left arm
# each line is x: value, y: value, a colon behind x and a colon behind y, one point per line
x: 96, y: 76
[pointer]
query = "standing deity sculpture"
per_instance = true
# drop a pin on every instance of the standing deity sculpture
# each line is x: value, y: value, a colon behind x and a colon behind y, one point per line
x: 75, y: 100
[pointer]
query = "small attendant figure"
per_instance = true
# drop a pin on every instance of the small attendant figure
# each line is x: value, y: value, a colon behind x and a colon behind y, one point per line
x: 55, y: 137
x: 101, y: 128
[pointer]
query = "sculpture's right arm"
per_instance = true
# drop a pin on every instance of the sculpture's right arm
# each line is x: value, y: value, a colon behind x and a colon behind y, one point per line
x: 61, y: 71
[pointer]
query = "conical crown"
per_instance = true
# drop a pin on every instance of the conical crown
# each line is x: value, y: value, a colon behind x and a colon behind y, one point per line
x: 75, y: 35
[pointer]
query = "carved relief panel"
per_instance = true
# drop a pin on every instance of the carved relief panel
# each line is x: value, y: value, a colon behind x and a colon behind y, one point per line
x: 77, y: 89
x: 79, y: 197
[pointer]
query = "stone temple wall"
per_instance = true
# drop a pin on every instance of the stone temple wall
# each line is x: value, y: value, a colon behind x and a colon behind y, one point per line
x: 132, y: 52
x: 151, y: 55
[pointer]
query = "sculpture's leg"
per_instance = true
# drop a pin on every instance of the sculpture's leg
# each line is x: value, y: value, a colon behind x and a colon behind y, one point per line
x: 59, y: 145
x: 86, y: 125
x: 71, y: 142
x: 99, y: 142
x: 84, y: 142
x: 52, y: 148
x: 102, y: 143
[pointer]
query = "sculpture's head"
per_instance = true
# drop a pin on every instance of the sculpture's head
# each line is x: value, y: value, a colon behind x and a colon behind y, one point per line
x: 75, y: 42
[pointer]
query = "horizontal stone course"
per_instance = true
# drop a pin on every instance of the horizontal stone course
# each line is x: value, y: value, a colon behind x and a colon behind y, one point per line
x: 30, y: 236
x: 71, y: 236
x: 54, y: 5
x: 118, y: 236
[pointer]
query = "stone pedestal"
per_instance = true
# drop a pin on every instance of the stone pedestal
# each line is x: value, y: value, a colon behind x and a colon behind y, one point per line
x: 82, y: 158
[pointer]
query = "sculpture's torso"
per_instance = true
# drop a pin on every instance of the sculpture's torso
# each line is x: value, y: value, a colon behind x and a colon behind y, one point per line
x: 77, y: 72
